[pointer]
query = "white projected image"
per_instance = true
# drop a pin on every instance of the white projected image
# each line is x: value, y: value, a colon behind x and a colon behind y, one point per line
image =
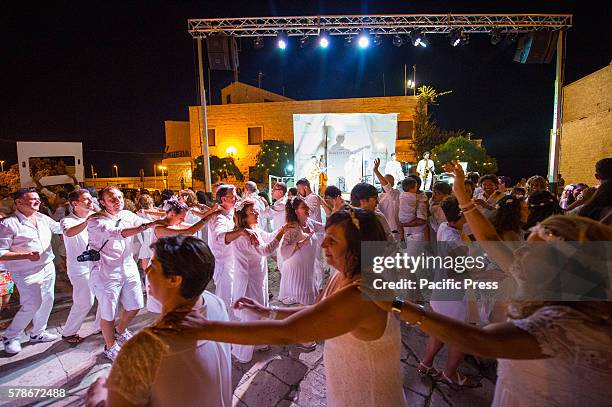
x: 343, y: 146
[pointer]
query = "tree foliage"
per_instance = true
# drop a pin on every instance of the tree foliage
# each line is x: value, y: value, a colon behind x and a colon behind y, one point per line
x: 10, y: 178
x: 461, y: 148
x: 274, y: 156
x: 220, y: 168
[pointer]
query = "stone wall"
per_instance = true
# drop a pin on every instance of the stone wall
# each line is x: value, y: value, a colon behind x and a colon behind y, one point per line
x: 586, y: 135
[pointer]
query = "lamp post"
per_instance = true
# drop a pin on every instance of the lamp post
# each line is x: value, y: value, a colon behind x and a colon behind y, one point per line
x: 2, y: 165
x: 155, y: 176
x: 165, y: 180
x: 116, y: 172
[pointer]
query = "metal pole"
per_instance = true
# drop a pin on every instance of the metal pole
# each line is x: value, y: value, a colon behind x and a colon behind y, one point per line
x: 154, y: 175
x: 555, y: 132
x: 405, y: 82
x: 204, y: 129
x: 413, y: 80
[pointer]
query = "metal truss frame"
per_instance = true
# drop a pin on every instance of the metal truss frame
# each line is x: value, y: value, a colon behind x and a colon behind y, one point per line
x: 378, y: 24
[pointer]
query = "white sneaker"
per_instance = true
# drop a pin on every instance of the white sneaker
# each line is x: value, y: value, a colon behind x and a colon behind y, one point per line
x: 44, y: 337
x: 12, y: 346
x: 112, y: 353
x: 123, y: 337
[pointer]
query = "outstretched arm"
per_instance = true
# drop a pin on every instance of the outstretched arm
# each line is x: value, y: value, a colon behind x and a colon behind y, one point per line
x: 336, y: 315
x: 380, y: 177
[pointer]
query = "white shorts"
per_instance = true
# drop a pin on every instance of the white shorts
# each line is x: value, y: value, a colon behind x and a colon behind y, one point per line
x: 111, y: 292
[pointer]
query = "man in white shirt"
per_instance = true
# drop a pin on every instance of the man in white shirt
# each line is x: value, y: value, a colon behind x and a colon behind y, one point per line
x: 25, y: 244
x: 394, y: 168
x: 76, y: 239
x: 312, y: 200
x: 425, y: 169
x: 365, y: 196
x: 220, y: 234
x: 388, y: 201
x: 115, y: 277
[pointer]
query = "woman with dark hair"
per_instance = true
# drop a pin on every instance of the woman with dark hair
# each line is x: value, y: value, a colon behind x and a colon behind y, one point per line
x: 511, y: 214
x: 157, y: 367
x: 599, y: 206
x: 488, y: 195
x: 362, y: 349
x: 542, y: 204
x: 251, y: 265
x: 298, y: 250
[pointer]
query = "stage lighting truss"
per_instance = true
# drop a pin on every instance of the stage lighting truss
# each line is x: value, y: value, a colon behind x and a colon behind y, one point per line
x: 403, y: 24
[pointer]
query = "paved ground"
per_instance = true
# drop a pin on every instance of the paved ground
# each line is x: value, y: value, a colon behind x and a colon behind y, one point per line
x: 280, y: 377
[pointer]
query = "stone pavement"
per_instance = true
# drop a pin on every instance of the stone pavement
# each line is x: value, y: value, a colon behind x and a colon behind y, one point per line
x: 282, y: 376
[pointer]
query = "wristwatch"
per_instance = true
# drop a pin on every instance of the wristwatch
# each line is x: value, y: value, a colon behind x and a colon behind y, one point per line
x: 396, y: 306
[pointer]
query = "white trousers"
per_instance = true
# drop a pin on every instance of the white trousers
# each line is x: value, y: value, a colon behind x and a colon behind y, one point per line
x: 36, y: 299
x: 224, y: 285
x: 82, y: 301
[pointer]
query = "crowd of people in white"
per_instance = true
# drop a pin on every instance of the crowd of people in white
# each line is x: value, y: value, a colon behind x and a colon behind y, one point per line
x: 549, y: 353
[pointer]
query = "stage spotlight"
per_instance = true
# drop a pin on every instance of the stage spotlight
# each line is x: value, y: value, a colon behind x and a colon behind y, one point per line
x: 417, y: 37
x: 258, y: 43
x: 281, y: 41
x: 377, y: 40
x: 303, y: 41
x: 512, y: 37
x: 424, y: 42
x: 348, y: 41
x: 323, y: 40
x: 363, y: 41
x: 398, y: 41
x: 455, y: 38
x: 496, y: 36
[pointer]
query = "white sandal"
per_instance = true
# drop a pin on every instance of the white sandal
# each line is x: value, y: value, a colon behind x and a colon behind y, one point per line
x: 463, y: 382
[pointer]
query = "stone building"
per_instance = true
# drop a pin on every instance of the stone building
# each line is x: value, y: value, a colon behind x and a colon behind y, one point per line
x: 586, y: 135
x: 249, y: 115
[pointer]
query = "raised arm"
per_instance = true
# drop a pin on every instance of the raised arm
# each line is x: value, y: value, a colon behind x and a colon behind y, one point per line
x: 380, y: 177
x: 481, y: 227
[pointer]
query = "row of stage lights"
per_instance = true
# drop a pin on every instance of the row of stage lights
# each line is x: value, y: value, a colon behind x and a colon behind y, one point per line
x: 416, y: 38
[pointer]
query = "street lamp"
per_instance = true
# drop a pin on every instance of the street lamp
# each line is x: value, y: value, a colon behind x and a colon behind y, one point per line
x: 116, y: 171
x: 2, y: 165
x: 162, y: 168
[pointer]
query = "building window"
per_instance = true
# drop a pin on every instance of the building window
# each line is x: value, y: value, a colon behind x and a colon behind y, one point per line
x: 255, y: 135
x: 228, y: 99
x: 211, y: 137
x: 405, y: 130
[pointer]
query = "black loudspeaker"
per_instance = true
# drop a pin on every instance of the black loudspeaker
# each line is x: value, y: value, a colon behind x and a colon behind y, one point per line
x: 222, y: 53
x: 536, y: 47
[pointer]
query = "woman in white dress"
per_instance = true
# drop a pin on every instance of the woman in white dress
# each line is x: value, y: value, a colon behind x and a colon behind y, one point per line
x: 251, y: 265
x: 174, y: 225
x: 362, y: 343
x: 146, y: 210
x: 196, y: 211
x: 550, y: 353
x: 299, y: 252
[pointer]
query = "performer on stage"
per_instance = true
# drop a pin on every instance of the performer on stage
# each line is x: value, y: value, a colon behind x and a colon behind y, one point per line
x: 425, y: 169
x: 394, y: 168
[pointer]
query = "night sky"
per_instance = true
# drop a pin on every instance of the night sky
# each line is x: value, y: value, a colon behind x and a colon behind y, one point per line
x: 109, y: 74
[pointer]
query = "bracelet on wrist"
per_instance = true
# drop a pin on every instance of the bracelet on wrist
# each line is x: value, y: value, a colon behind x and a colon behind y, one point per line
x: 467, y: 205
